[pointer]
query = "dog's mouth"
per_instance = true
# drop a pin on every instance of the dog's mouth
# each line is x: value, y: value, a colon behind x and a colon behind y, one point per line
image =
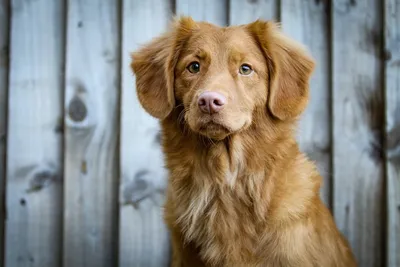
x: 214, y: 126
x: 214, y: 129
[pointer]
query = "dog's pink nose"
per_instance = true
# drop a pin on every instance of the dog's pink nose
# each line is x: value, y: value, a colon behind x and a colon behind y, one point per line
x: 211, y: 102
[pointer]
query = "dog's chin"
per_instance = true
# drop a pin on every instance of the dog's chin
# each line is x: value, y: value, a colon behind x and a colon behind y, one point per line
x: 214, y: 130
x: 216, y: 127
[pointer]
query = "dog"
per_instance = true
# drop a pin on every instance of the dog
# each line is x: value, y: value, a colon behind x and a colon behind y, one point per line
x: 240, y: 192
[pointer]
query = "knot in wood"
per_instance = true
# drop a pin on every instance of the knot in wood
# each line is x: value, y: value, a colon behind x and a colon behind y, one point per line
x: 387, y: 55
x: 77, y: 109
x: 41, y: 179
x: 138, y: 189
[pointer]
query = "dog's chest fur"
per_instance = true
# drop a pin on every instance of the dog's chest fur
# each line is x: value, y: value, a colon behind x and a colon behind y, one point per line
x: 215, y: 203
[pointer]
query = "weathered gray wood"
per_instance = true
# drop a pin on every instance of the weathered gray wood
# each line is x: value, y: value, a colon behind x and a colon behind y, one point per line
x: 34, y: 143
x: 4, y: 36
x: 307, y: 22
x: 144, y: 238
x: 207, y: 10
x: 91, y: 134
x: 358, y: 126
x: 244, y: 11
x: 392, y: 86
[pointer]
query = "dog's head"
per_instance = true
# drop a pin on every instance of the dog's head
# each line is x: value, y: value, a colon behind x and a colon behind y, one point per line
x: 222, y: 76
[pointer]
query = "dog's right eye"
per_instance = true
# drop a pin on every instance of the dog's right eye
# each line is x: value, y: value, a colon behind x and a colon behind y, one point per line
x: 245, y: 69
x: 194, y: 67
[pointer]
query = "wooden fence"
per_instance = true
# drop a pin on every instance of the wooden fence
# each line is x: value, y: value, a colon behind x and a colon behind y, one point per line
x: 80, y: 164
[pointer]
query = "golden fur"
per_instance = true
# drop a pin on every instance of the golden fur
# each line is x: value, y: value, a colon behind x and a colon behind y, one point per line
x: 240, y: 192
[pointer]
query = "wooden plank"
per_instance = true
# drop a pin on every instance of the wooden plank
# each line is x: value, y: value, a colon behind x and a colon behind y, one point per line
x: 91, y: 123
x: 308, y: 23
x: 144, y: 240
x: 392, y: 86
x: 242, y: 12
x: 4, y: 37
x: 358, y: 126
x: 34, y: 143
x: 207, y: 10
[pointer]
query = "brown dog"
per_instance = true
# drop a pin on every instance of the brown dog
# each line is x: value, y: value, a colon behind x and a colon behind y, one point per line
x: 240, y: 191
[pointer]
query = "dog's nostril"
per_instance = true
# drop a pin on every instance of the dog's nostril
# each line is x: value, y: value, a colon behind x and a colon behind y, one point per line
x: 202, y: 102
x: 218, y: 102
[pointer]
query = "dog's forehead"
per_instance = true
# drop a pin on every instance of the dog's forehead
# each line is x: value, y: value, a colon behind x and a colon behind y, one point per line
x: 210, y: 37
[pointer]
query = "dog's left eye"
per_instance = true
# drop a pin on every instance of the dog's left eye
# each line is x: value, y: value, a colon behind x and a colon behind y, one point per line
x: 194, y: 67
x: 245, y: 69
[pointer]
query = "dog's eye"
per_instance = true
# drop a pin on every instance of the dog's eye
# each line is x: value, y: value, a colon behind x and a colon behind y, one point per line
x: 194, y: 67
x: 245, y: 69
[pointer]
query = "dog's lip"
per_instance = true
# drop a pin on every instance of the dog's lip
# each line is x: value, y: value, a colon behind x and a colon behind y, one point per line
x: 213, y: 125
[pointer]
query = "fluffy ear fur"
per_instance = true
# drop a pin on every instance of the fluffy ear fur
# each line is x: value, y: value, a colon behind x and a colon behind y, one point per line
x: 154, y: 66
x: 290, y: 69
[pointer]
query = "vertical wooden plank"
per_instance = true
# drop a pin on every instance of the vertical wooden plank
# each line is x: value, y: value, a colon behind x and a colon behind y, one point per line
x: 308, y: 23
x: 4, y: 37
x: 34, y: 143
x: 246, y: 11
x: 207, y: 10
x: 358, y: 126
x: 144, y: 240
x: 392, y: 86
x: 91, y: 123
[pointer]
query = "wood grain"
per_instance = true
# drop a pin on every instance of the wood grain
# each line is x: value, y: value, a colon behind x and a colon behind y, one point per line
x: 392, y: 86
x: 91, y: 125
x: 242, y: 12
x: 144, y: 240
x: 207, y: 10
x: 34, y: 143
x: 358, y: 126
x: 4, y: 39
x: 308, y: 23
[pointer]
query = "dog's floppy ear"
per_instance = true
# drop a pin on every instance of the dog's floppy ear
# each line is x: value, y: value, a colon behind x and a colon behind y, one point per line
x: 154, y: 67
x: 290, y: 68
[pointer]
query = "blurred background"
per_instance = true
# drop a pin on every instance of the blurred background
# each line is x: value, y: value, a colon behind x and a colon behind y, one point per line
x: 81, y: 170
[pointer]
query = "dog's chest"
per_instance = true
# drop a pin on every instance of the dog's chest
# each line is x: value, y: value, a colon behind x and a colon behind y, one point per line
x: 214, y: 205
x: 219, y: 219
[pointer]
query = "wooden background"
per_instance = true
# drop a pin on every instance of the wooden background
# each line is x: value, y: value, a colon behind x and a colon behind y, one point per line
x: 80, y: 164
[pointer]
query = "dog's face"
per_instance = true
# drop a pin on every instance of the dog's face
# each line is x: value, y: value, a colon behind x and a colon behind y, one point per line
x: 222, y: 76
